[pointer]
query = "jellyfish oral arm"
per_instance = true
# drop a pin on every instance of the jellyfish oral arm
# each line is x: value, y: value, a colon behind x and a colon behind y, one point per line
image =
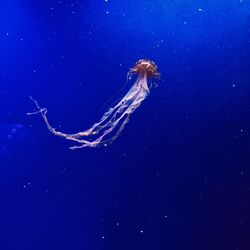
x: 115, y: 118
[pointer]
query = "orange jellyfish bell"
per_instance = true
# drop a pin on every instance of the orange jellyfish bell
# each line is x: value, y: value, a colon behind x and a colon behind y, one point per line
x: 145, y: 68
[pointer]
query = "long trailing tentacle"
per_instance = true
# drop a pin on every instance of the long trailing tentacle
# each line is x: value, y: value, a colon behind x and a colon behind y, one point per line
x: 112, y: 122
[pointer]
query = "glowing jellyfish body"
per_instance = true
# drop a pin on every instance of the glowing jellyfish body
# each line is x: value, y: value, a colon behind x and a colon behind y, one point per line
x: 114, y: 120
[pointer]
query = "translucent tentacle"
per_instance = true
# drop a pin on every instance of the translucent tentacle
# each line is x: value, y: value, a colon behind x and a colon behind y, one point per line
x: 115, y: 118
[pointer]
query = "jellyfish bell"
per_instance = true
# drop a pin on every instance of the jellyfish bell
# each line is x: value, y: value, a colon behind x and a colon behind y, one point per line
x: 145, y: 68
x: 112, y: 123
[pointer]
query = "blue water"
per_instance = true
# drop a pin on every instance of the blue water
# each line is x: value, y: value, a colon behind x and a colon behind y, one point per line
x: 178, y: 176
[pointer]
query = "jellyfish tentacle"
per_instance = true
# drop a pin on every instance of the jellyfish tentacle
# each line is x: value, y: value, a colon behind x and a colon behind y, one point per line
x: 89, y: 132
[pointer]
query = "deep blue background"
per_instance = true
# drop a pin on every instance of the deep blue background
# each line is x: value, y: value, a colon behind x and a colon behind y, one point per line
x: 179, y: 175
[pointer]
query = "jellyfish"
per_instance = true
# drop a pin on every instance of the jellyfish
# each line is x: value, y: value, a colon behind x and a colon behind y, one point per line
x: 112, y: 123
